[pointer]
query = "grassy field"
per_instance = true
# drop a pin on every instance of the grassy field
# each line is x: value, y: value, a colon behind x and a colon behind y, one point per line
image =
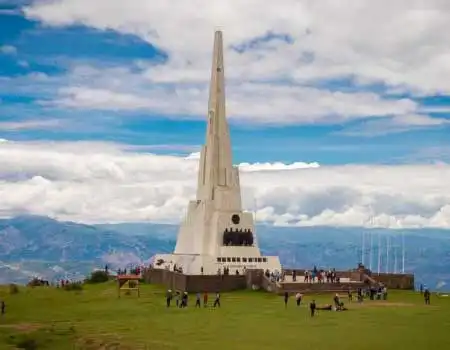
x: 96, y: 319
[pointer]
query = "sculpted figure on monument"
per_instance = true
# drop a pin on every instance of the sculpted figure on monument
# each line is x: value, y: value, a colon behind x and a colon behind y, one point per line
x: 238, y: 237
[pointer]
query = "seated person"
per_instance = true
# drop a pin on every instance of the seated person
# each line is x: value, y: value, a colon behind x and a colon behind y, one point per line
x: 327, y: 307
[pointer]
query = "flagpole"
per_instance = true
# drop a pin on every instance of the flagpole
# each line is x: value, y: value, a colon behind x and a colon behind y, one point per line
x: 395, y: 257
x: 379, y: 253
x: 387, y: 253
x: 403, y: 252
x: 371, y: 251
x: 255, y: 208
x: 363, y: 247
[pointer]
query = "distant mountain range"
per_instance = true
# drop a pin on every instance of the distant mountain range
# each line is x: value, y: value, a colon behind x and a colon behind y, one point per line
x: 40, y: 246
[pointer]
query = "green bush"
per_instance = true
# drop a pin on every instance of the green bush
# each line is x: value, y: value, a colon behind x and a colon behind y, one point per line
x: 34, y: 283
x: 27, y: 344
x: 13, y: 288
x: 99, y: 276
x: 73, y: 286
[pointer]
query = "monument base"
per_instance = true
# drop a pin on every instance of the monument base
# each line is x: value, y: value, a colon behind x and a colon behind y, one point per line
x: 195, y: 264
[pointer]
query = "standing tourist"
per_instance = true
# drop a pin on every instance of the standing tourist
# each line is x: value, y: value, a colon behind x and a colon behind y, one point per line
x: 197, y: 300
x: 168, y: 297
x: 312, y: 307
x: 286, y: 299
x: 426, y: 296
x: 205, y: 299
x: 217, y: 300
x: 298, y: 298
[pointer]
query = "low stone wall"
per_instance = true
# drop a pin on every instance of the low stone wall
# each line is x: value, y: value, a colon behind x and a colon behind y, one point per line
x: 355, y: 276
x: 395, y: 281
x: 256, y: 278
x: 195, y: 283
x: 169, y: 279
x: 215, y: 283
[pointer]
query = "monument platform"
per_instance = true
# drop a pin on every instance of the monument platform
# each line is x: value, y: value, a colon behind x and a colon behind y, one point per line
x: 256, y: 279
x: 191, y: 264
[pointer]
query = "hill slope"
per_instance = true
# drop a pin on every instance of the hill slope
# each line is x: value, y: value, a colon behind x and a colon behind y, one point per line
x: 31, y: 245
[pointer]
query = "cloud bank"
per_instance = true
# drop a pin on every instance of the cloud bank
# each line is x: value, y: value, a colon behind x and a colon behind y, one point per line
x: 101, y: 182
x: 282, y: 59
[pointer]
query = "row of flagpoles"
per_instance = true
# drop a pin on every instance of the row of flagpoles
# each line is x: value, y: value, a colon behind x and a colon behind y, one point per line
x: 387, y: 249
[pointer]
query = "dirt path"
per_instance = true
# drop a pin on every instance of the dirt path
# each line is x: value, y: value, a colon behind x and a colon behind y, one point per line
x: 22, y: 327
x: 386, y: 304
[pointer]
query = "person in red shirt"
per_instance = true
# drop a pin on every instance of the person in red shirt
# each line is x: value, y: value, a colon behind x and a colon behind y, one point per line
x: 205, y: 299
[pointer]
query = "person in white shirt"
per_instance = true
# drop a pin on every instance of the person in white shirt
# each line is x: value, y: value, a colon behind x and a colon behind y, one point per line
x: 298, y: 298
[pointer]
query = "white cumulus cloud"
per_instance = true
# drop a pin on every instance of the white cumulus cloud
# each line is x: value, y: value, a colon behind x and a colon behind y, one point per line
x: 276, y: 81
x: 30, y: 124
x: 328, y: 38
x: 8, y: 49
x: 100, y: 182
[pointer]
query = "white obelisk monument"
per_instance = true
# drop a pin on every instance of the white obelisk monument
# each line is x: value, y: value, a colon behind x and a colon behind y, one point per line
x: 216, y: 232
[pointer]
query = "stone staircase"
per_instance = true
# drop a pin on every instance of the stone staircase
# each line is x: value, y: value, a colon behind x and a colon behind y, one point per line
x: 319, y: 287
x: 292, y: 287
x: 301, y: 279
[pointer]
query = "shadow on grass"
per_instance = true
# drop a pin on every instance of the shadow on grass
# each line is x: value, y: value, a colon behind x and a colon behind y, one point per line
x: 31, y: 337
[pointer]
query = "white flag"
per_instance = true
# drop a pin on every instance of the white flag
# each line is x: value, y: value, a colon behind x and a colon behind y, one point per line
x: 440, y: 284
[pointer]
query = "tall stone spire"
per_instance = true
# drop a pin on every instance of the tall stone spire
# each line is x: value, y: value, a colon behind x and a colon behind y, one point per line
x: 216, y: 166
x: 204, y: 243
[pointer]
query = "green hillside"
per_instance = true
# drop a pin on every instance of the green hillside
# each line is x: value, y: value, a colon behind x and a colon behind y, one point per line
x: 96, y: 319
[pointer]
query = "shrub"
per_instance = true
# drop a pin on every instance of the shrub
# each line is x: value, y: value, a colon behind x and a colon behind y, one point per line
x: 13, y: 288
x: 99, y: 276
x: 36, y: 282
x: 27, y: 344
x: 73, y: 286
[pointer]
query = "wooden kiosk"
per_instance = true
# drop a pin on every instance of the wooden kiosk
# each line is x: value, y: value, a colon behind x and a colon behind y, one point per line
x: 127, y: 284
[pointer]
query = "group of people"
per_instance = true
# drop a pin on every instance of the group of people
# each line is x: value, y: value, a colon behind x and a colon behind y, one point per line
x: 274, y: 276
x: 313, y: 276
x: 375, y: 292
x: 338, y: 304
x: 181, y: 299
x: 63, y: 283
x: 133, y: 271
x: 226, y: 271
x: 177, y: 268
x: 321, y: 275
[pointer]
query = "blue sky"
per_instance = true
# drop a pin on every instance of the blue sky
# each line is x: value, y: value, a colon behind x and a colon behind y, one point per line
x: 31, y: 47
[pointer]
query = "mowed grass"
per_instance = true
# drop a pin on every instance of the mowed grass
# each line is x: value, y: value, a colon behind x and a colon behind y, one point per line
x: 96, y: 319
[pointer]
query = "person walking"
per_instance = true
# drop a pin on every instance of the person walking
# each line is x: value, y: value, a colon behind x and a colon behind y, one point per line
x: 426, y: 296
x: 168, y: 297
x: 298, y: 298
x: 205, y: 299
x: 197, y: 300
x: 312, y: 307
x: 217, y: 300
